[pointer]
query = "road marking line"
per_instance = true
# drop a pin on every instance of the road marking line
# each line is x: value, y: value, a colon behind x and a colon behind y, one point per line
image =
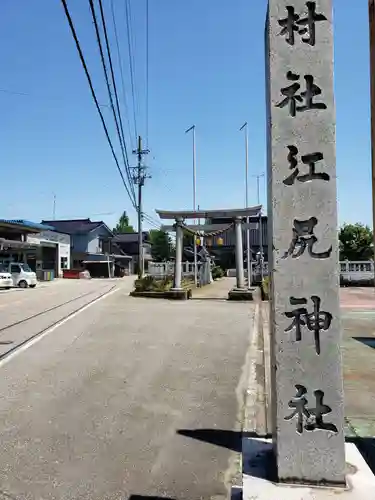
x: 54, y: 327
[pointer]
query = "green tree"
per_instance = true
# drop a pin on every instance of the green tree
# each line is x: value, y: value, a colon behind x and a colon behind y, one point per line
x: 123, y: 225
x: 161, y: 245
x: 356, y: 242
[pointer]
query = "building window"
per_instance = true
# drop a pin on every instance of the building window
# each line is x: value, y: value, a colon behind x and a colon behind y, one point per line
x: 64, y: 262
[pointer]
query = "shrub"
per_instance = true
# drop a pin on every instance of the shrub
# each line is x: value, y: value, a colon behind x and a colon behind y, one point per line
x: 152, y: 284
x: 144, y: 284
x: 217, y: 272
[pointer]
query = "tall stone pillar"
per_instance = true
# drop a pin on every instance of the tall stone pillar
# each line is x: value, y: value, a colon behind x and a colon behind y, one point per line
x: 239, y: 254
x: 178, y: 258
x: 307, y: 383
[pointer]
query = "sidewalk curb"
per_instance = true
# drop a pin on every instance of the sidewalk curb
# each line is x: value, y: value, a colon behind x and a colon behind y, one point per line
x: 253, y: 389
x: 255, y: 399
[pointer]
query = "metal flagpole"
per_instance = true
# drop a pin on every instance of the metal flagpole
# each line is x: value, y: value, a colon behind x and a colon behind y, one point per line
x: 194, y: 202
x: 372, y: 100
x: 260, y: 229
x: 248, y: 248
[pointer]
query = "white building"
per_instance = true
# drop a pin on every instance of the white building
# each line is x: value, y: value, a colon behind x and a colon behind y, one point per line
x: 52, y: 251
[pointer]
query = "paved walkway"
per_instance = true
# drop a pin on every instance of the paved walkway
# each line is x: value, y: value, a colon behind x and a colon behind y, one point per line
x: 217, y: 290
x: 357, y: 298
x: 358, y: 319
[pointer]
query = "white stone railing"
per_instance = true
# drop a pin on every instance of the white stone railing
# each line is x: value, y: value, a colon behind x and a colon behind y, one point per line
x: 356, y: 271
x: 162, y: 269
x: 350, y: 271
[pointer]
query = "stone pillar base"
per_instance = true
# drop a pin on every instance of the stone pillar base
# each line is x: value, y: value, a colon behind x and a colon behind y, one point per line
x: 260, y: 481
x: 178, y: 294
x: 244, y: 294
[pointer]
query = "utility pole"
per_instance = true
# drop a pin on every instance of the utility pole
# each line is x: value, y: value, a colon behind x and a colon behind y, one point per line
x: 194, y: 202
x: 260, y: 225
x: 248, y: 248
x: 139, y: 178
x: 372, y: 101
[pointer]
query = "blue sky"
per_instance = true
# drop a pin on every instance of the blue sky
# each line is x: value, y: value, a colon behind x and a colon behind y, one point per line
x: 206, y: 68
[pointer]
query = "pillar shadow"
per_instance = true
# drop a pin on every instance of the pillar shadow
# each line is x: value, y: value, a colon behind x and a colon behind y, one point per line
x: 366, y: 446
x: 368, y: 341
x: 219, y: 437
x: 232, y: 440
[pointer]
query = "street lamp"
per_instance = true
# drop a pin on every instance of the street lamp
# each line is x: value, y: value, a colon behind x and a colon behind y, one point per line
x: 248, y: 249
x: 192, y: 128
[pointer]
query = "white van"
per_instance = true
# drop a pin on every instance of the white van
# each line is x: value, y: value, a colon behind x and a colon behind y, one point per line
x: 6, y: 280
x: 22, y: 275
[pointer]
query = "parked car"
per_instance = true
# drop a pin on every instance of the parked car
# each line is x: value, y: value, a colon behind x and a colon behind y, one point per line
x: 6, y: 280
x: 22, y: 275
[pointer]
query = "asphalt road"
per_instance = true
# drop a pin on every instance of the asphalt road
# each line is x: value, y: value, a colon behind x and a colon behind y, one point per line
x: 26, y: 312
x: 130, y: 397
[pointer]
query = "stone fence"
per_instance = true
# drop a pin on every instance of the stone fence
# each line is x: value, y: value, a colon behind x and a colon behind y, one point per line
x: 162, y: 269
x: 354, y: 273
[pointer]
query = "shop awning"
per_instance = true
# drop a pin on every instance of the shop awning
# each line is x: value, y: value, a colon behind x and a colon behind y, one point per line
x: 5, y: 243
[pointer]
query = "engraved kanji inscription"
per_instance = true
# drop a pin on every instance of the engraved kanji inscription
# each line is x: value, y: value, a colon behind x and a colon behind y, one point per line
x: 316, y: 321
x: 310, y: 419
x: 304, y: 237
x: 306, y: 98
x: 295, y: 24
x: 311, y: 160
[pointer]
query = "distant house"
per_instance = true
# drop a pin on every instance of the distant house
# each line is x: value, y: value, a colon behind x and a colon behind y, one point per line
x: 91, y: 242
x: 38, y: 245
x: 128, y: 242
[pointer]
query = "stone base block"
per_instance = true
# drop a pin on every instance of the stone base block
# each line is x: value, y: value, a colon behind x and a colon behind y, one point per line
x: 179, y: 294
x: 243, y: 294
x: 173, y: 294
x: 259, y: 482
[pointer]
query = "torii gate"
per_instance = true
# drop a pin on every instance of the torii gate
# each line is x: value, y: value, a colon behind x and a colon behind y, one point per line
x: 238, y: 216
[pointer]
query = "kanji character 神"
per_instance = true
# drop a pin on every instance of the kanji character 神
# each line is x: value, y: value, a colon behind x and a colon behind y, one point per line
x: 315, y: 322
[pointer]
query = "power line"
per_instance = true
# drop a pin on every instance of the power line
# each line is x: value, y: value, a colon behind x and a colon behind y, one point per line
x: 123, y: 147
x: 131, y: 62
x: 147, y: 68
x: 121, y: 71
x: 83, y: 62
x: 115, y: 92
x: 155, y: 225
x: 151, y: 219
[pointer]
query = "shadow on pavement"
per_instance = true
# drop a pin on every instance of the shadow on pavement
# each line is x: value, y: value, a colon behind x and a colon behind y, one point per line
x: 227, y: 439
x: 366, y: 446
x: 368, y: 341
x: 219, y: 437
